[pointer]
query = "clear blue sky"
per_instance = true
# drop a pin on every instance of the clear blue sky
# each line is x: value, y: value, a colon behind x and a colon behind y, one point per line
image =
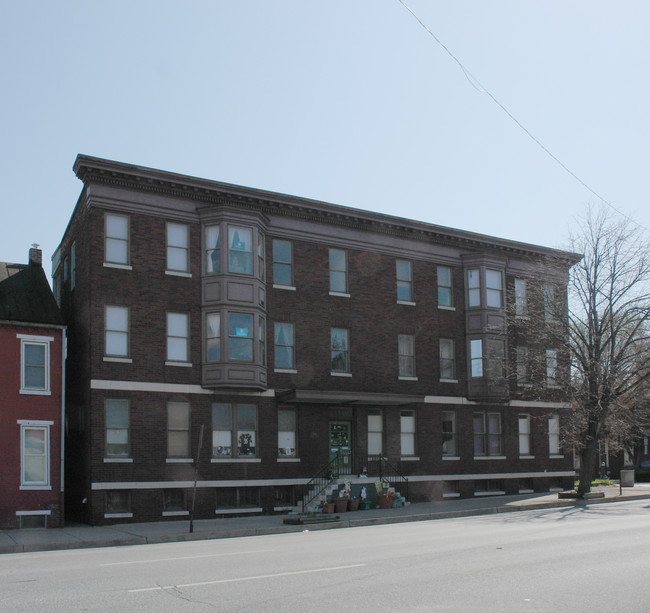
x: 346, y: 101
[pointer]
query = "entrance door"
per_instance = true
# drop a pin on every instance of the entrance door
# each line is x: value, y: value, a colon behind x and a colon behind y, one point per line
x: 341, y: 444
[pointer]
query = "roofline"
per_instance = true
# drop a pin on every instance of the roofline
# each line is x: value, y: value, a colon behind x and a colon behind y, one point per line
x: 171, y: 180
x: 31, y: 324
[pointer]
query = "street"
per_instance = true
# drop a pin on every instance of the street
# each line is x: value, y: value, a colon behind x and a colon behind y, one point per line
x: 594, y: 558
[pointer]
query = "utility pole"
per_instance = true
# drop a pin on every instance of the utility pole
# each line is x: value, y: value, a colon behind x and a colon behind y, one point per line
x: 196, y: 476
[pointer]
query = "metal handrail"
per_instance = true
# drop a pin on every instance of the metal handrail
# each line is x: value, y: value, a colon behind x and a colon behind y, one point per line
x: 371, y: 465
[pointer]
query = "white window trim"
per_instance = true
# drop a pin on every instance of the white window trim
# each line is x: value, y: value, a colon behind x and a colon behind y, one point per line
x: 406, y: 302
x: 182, y: 364
x: 178, y: 273
x: 287, y: 460
x: 179, y: 460
x: 235, y: 460
x: 118, y: 360
x: 120, y: 266
x: 448, y: 380
x: 117, y: 515
x: 45, y: 425
x: 450, y: 457
x: 291, y: 288
x: 409, y: 458
x: 490, y: 457
x: 407, y: 378
x: 442, y: 307
x: 289, y: 371
x: 30, y: 339
x: 340, y: 294
x: 22, y: 513
x: 118, y: 460
x: 340, y: 374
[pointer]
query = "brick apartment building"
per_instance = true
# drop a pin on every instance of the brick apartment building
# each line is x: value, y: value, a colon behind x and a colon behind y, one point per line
x: 32, y: 411
x: 293, y: 330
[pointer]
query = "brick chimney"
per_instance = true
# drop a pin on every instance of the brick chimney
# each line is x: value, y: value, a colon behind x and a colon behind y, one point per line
x: 35, y: 255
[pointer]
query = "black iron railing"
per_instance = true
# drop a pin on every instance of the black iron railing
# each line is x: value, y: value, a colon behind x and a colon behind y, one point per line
x: 346, y: 463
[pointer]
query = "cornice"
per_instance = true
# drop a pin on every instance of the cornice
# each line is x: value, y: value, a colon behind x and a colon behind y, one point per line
x: 207, y: 193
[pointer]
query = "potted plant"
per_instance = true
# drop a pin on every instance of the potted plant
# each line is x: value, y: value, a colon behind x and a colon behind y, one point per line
x: 341, y: 503
x: 364, y: 503
x: 327, y: 507
x: 353, y: 504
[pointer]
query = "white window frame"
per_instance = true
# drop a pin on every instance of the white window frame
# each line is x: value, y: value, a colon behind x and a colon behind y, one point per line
x: 345, y: 351
x: 551, y: 368
x: 523, y: 422
x: 291, y: 346
x: 474, y: 288
x: 177, y: 338
x: 521, y: 298
x: 404, y: 281
x: 287, y: 444
x: 440, y: 272
x: 375, y: 432
x: 406, y: 361
x: 214, y: 338
x: 554, y: 435
x: 118, y: 239
x: 122, y: 331
x: 119, y: 457
x: 43, y: 426
x: 235, y: 433
x: 476, y: 358
x: 493, y: 288
x: 246, y: 255
x: 335, y: 273
x: 214, y: 229
x: 40, y: 341
x: 407, y: 424
x: 180, y: 248
x: 450, y: 417
x: 281, y: 264
x: 179, y: 427
x: 449, y: 344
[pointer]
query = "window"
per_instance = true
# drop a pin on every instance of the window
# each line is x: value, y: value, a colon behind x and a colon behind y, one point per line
x: 238, y: 422
x: 521, y: 300
x: 174, y: 501
x: 551, y: 367
x: 549, y: 302
x: 177, y: 247
x: 260, y: 256
x: 212, y: 252
x: 404, y: 281
x: 406, y: 354
x: 35, y: 454
x: 178, y: 337
x: 117, y: 239
x: 287, y: 433
x: 213, y: 336
x: 487, y: 434
x: 444, y: 287
x: 524, y: 434
x: 262, y: 340
x: 240, y: 337
x: 474, y: 287
x: 237, y: 497
x: 73, y: 265
x: 282, y: 263
x: 178, y: 430
x: 523, y: 369
x: 340, y: 350
x: 407, y: 430
x: 117, y: 428
x: 118, y: 501
x: 554, y: 435
x: 494, y: 288
x: 338, y: 271
x: 496, y: 358
x: 375, y: 432
x: 117, y: 331
x: 476, y: 357
x: 284, y: 346
x: 447, y: 359
x: 240, y: 250
x: 35, y: 364
x: 449, y: 446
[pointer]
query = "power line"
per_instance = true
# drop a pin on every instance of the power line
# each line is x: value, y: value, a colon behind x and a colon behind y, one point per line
x: 476, y: 84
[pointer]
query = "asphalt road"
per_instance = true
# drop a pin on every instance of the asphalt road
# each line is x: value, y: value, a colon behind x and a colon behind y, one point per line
x: 588, y: 559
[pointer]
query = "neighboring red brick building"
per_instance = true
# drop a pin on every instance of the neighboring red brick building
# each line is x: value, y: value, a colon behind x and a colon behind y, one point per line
x: 32, y: 411
x: 293, y: 330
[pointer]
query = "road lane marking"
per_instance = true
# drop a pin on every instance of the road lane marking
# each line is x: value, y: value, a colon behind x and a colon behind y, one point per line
x: 238, y: 579
x: 207, y: 555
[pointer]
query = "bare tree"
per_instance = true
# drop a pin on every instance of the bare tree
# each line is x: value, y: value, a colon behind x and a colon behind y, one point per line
x: 607, y: 336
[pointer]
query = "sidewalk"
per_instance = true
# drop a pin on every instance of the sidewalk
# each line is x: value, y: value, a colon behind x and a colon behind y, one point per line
x: 81, y: 536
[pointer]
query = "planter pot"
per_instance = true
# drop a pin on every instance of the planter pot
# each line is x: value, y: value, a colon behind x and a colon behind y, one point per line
x: 328, y: 507
x: 353, y: 505
x: 341, y: 505
x: 383, y: 503
x: 365, y: 505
